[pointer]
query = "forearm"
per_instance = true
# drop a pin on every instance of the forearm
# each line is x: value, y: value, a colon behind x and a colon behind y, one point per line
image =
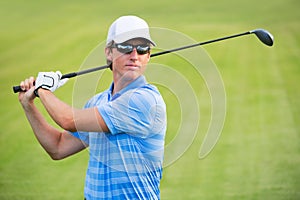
x: 70, y: 118
x: 47, y: 135
x: 58, y: 144
x: 60, y: 112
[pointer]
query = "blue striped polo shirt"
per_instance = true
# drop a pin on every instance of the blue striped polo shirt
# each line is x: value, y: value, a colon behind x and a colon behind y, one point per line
x: 126, y: 163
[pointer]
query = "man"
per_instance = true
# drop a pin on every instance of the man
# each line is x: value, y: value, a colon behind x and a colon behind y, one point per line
x: 123, y: 127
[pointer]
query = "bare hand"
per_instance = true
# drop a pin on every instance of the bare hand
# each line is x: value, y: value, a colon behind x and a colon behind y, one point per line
x: 28, y: 96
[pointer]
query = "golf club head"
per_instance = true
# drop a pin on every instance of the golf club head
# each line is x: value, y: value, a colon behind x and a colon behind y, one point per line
x: 264, y: 36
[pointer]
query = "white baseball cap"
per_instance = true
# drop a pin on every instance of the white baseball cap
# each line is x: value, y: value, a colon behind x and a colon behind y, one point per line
x: 128, y: 27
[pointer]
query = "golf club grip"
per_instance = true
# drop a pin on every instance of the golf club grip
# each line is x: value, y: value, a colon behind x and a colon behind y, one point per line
x: 17, y: 89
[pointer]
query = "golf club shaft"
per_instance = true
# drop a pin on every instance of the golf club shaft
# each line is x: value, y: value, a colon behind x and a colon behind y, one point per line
x: 198, y: 44
x: 73, y: 74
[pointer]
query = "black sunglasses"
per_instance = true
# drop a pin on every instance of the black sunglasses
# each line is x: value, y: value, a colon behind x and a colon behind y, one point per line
x: 125, y: 48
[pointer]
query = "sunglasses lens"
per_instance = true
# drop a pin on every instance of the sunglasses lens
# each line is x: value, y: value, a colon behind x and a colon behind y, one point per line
x: 123, y: 48
x: 128, y: 48
x: 142, y: 49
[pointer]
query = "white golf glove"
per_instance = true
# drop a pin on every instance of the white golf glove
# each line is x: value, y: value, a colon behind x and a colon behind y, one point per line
x: 49, y: 81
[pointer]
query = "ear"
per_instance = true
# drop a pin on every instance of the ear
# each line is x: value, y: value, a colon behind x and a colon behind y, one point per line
x: 108, y: 53
x: 149, y: 55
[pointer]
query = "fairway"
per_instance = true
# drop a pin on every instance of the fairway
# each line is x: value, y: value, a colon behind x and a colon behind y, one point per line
x: 257, y: 155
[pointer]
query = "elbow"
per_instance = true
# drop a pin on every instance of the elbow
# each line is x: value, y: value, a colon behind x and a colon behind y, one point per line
x: 56, y: 156
x: 56, y: 152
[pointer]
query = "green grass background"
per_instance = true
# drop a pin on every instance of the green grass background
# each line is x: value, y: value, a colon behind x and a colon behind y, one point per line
x: 257, y: 155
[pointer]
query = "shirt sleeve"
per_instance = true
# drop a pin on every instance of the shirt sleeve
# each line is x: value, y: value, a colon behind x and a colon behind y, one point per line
x: 83, y: 136
x: 134, y: 112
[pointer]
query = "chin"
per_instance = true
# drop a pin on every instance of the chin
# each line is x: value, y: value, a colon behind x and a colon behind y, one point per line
x: 130, y: 76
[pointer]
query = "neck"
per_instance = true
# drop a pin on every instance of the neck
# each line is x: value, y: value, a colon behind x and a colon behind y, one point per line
x: 119, y: 84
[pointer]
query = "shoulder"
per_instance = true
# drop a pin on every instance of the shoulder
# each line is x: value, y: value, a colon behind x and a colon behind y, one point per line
x: 148, y: 93
x: 146, y: 99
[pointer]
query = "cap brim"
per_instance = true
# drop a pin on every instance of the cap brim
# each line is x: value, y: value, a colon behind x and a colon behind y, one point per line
x: 150, y: 41
x: 141, y: 33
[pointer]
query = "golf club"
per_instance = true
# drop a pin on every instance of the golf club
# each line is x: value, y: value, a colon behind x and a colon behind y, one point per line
x: 263, y: 35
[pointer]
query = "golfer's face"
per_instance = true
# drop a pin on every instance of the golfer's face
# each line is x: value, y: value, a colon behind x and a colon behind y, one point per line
x: 131, y: 64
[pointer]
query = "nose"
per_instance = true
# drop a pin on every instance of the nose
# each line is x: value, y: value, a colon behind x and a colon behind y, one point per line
x: 134, y: 54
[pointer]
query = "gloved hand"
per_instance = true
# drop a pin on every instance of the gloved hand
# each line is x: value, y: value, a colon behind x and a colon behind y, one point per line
x: 49, y: 81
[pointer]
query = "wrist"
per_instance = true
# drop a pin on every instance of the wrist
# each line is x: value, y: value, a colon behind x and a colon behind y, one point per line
x: 28, y: 105
x: 39, y: 90
x: 43, y: 91
x: 36, y: 92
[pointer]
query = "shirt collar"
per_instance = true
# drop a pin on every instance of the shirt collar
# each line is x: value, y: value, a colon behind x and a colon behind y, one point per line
x: 138, y: 82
